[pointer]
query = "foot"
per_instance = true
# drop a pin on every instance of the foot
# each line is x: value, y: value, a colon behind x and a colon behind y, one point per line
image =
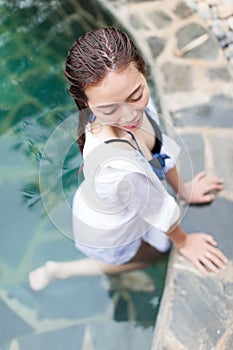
x: 202, y: 189
x: 41, y: 277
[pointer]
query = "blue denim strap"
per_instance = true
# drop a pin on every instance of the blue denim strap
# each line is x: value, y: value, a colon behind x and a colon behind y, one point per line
x: 158, y: 164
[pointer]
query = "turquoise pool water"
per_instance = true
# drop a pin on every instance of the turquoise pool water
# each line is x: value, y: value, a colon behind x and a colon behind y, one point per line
x: 34, y: 39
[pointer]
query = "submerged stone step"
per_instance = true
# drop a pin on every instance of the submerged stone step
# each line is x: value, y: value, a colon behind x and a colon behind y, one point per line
x: 67, y: 338
x: 94, y: 335
x: 111, y: 335
x: 71, y: 299
x: 11, y: 325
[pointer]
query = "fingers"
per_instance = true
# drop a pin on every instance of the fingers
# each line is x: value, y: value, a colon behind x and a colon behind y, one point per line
x: 209, y: 265
x: 201, y: 249
x: 212, y: 259
x: 216, y: 179
x: 209, y: 183
x: 211, y: 248
x: 200, y: 267
x: 214, y: 252
x: 200, y: 175
x: 203, y: 176
x: 209, y: 239
x: 212, y: 184
x: 212, y: 263
x: 204, y: 188
x: 206, y: 198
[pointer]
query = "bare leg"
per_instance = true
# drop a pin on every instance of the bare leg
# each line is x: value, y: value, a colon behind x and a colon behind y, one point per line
x: 52, y: 270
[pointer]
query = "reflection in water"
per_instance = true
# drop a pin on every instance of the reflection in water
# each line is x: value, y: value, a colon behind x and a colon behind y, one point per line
x: 34, y: 39
x: 34, y: 44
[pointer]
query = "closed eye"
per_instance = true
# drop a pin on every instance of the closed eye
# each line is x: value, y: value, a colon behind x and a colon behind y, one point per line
x: 111, y: 112
x: 137, y: 99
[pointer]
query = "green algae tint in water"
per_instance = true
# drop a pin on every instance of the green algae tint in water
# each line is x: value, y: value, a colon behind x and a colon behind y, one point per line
x: 34, y: 39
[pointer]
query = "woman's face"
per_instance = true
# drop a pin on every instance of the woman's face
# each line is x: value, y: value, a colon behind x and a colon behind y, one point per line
x: 120, y: 98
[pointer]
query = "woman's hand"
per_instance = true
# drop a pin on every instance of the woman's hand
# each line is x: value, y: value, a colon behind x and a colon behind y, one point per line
x: 201, y: 189
x: 200, y: 249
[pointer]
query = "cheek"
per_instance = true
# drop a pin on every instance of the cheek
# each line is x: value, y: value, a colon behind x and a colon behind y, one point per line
x: 145, y: 99
x: 147, y: 96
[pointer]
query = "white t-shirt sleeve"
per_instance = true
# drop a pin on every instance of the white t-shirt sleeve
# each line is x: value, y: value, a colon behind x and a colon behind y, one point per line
x: 138, y: 194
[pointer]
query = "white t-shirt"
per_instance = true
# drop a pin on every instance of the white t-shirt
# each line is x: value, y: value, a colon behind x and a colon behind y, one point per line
x: 120, y: 202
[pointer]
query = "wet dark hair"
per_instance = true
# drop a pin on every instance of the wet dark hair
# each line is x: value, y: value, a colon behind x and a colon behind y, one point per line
x: 89, y: 60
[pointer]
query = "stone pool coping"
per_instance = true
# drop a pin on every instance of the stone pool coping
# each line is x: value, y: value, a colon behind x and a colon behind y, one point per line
x: 194, y: 86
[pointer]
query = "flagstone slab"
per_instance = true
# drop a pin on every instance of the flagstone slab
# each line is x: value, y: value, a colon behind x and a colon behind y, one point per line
x: 192, y: 161
x: 67, y: 338
x: 11, y: 325
x: 208, y: 50
x: 74, y: 298
x: 160, y: 19
x: 222, y: 151
x: 218, y: 112
x: 60, y: 249
x: 216, y: 219
x: 14, y: 243
x: 199, y: 307
x: 156, y: 45
x: 182, y: 10
x: 120, y: 335
x: 137, y: 22
x: 223, y: 74
x: 177, y: 77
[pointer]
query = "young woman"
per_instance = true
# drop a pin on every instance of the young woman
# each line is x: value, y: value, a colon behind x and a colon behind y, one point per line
x: 123, y: 217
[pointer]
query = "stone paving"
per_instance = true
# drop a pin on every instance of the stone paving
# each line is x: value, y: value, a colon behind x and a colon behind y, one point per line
x: 194, y: 87
x: 219, y: 16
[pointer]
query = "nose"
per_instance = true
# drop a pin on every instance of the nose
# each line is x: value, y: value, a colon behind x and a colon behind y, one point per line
x: 129, y: 113
x: 125, y: 113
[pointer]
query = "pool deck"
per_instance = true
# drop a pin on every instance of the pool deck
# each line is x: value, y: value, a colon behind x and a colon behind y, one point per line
x: 194, y: 82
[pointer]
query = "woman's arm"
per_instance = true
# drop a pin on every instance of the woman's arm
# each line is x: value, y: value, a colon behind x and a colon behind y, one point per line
x: 149, y: 200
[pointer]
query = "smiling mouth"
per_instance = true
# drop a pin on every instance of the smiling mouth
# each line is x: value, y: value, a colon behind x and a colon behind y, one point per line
x: 132, y: 126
